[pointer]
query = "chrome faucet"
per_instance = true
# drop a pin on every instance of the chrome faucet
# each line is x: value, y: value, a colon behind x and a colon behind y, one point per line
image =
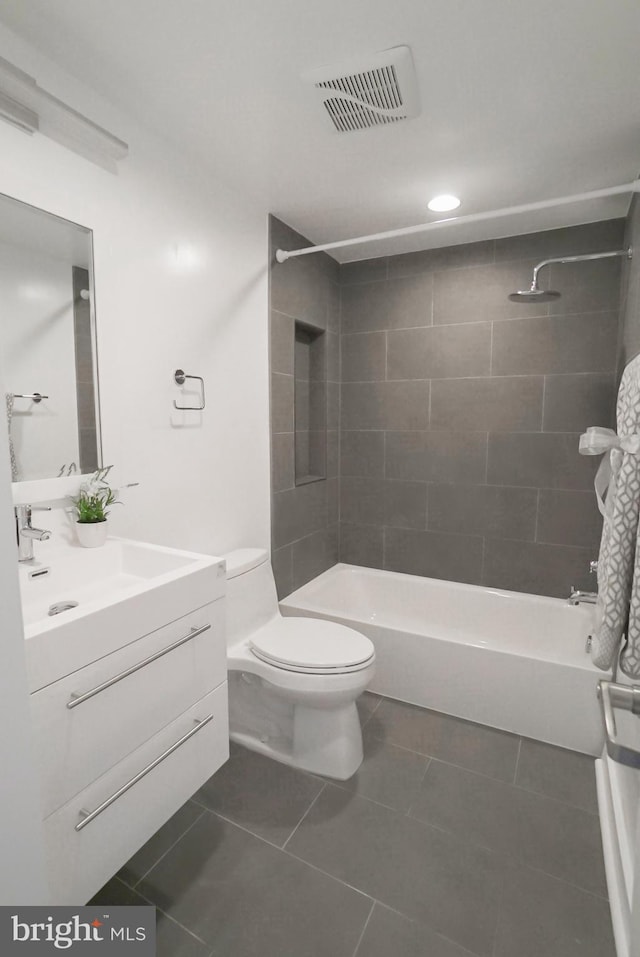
x: 26, y: 534
x: 578, y: 597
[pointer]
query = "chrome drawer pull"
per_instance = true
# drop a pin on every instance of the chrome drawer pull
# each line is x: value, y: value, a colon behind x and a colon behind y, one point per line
x: 89, y: 816
x: 626, y: 698
x: 77, y: 699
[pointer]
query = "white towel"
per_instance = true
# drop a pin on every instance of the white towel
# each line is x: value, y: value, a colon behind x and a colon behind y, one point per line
x: 618, y: 606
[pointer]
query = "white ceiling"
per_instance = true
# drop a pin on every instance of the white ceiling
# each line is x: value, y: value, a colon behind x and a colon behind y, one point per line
x: 43, y: 233
x: 521, y: 101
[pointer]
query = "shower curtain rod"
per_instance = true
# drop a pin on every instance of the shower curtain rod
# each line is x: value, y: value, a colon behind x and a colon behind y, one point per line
x: 283, y: 254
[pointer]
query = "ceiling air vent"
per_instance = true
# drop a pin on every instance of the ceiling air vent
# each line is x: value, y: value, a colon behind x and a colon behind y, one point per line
x: 375, y: 91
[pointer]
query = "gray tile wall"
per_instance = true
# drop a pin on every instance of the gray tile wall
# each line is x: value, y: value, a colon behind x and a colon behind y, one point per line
x: 629, y: 342
x: 461, y: 411
x: 305, y: 517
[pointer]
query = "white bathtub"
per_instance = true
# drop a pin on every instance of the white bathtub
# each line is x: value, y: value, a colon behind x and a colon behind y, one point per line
x: 509, y: 660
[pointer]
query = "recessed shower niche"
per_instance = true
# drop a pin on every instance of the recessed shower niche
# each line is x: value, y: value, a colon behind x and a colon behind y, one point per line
x: 310, y: 404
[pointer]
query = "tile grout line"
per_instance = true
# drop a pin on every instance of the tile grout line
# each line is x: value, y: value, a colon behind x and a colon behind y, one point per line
x: 431, y: 758
x: 304, y: 815
x: 364, y: 929
x: 484, y: 847
x: 164, y: 913
x: 476, y: 322
x: 451, y: 764
x: 370, y: 800
x: 162, y: 856
x: 464, y: 951
x: 246, y: 830
x: 491, y: 350
x: 555, y: 800
x: 422, y: 780
x: 319, y: 870
x: 515, y: 770
x: 567, y: 883
x: 372, y: 712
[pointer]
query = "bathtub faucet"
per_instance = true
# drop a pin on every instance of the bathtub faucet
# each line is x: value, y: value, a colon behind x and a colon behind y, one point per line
x: 578, y: 597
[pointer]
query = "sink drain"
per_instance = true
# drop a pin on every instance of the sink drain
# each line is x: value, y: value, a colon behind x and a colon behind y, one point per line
x: 61, y: 606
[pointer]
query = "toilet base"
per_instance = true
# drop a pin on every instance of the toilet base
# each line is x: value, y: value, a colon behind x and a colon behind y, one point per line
x: 327, y: 742
x: 318, y: 732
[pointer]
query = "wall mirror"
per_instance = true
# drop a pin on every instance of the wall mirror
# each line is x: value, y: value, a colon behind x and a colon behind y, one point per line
x: 47, y: 343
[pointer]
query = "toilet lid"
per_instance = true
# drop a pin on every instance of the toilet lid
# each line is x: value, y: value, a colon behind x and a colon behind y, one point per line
x: 311, y: 645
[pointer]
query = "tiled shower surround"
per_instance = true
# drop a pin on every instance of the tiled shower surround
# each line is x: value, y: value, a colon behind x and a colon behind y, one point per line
x: 460, y: 412
x: 629, y: 338
x: 305, y: 531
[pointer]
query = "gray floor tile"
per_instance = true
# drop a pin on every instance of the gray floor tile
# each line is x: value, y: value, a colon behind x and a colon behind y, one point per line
x: 388, y: 932
x: 118, y: 894
x: 544, y: 917
x: 389, y: 775
x: 264, y: 796
x: 427, y: 874
x: 476, y: 808
x: 468, y: 745
x: 558, y: 773
x: 246, y: 898
x: 171, y: 939
x: 367, y: 704
x: 174, y: 941
x: 159, y: 844
x: 534, y: 830
x: 563, y: 841
x: 479, y: 861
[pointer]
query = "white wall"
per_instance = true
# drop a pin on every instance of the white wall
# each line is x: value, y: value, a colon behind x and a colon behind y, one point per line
x: 21, y: 857
x: 181, y: 281
x: 37, y: 354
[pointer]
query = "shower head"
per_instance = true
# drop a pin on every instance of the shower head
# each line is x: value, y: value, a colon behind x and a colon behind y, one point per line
x: 534, y: 294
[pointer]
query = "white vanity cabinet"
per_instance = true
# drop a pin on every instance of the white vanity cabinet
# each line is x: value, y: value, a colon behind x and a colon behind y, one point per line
x: 128, y: 736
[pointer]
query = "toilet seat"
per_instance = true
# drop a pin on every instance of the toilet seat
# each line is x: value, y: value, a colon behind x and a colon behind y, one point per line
x: 311, y: 646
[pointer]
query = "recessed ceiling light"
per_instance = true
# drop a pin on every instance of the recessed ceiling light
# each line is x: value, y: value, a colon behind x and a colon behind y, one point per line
x: 442, y: 204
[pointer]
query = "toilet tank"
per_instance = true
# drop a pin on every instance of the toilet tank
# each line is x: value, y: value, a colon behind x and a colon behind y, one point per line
x: 251, y: 597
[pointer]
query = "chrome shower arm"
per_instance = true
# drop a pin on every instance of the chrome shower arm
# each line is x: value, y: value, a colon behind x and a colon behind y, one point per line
x: 578, y: 259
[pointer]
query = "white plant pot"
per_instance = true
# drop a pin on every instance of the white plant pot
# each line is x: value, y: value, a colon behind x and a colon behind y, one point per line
x: 92, y: 534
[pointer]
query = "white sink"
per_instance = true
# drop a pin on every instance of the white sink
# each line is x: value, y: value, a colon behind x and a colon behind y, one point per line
x: 114, y: 590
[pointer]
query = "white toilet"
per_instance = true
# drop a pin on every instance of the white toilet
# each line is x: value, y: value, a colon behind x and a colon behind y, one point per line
x: 293, y: 682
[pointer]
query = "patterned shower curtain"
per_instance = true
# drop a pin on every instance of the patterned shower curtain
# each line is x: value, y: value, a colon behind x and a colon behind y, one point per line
x: 618, y: 491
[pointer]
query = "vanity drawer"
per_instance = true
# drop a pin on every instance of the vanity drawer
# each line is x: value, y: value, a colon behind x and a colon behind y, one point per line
x: 79, y: 862
x: 84, y: 724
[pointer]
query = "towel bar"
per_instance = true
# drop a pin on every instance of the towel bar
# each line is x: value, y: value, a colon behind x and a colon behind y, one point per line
x: 626, y: 698
x: 34, y: 396
x: 180, y: 378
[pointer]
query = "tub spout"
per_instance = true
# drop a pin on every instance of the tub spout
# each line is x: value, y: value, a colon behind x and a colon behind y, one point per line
x: 582, y: 597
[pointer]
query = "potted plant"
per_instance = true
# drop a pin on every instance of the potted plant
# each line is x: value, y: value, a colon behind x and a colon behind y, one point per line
x: 93, y: 500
